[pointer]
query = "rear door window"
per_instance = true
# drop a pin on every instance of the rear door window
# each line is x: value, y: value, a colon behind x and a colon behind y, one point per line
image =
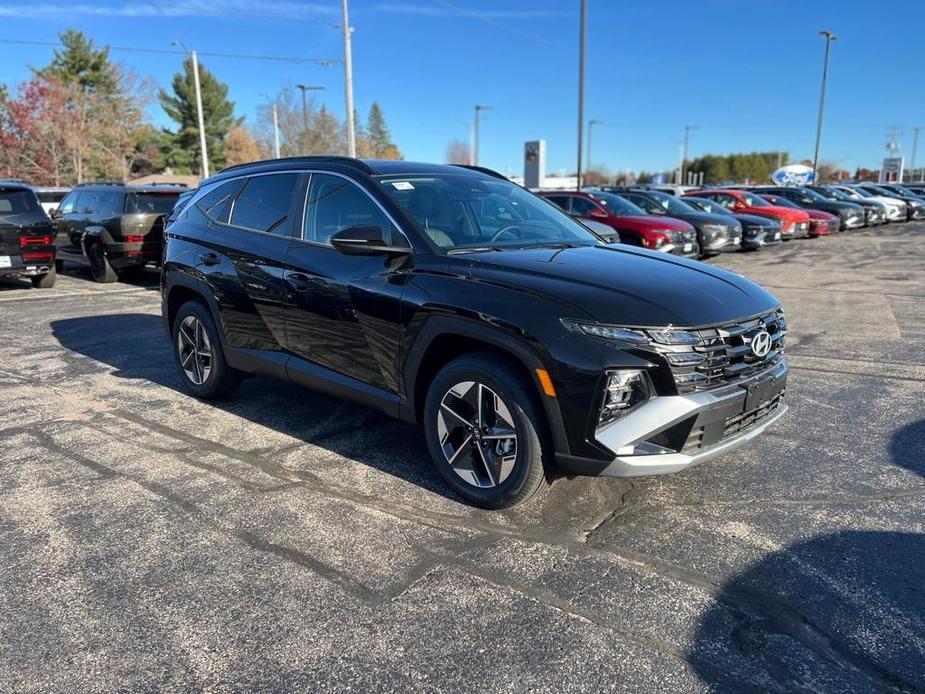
x: 216, y: 204
x: 582, y: 207
x: 109, y: 203
x: 264, y: 203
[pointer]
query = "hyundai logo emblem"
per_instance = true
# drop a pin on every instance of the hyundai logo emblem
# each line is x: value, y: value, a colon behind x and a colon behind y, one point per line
x: 761, y: 344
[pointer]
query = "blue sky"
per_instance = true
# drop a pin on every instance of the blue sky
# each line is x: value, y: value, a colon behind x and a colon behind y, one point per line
x: 747, y: 73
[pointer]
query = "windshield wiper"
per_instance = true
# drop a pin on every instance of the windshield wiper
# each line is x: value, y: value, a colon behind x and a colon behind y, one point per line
x: 472, y: 249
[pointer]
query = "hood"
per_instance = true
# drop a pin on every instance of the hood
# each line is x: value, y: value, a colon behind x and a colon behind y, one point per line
x: 835, y: 206
x: 652, y: 222
x: 621, y: 285
x: 701, y: 218
x: 821, y: 214
x: 755, y: 220
x: 787, y: 213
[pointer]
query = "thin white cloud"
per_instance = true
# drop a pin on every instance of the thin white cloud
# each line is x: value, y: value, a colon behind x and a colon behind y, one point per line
x: 447, y: 10
x: 272, y: 9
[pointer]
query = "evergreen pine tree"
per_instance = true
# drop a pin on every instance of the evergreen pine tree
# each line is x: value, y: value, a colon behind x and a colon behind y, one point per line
x: 181, y: 148
x: 80, y: 62
x: 379, y: 137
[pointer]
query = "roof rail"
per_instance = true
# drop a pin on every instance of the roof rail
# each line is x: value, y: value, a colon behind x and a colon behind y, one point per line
x: 325, y: 158
x: 484, y: 170
x: 100, y: 183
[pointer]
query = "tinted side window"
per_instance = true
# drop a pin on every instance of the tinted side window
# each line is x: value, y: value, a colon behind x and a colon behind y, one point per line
x: 640, y: 200
x: 582, y: 207
x: 216, y: 204
x: 263, y: 204
x: 335, y: 203
x: 109, y: 203
x: 69, y: 203
x: 560, y: 200
x: 89, y: 202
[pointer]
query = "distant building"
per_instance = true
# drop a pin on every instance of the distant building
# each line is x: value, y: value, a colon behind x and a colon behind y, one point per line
x: 191, y: 181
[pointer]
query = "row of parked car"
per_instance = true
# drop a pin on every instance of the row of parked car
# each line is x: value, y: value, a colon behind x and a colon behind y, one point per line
x: 697, y: 223
x: 115, y: 228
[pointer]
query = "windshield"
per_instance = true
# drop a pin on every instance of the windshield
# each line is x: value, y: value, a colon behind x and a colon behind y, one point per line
x: 462, y: 211
x: 149, y: 203
x: 671, y: 203
x: 18, y: 202
x: 781, y: 202
x: 617, y: 205
x: 902, y: 190
x: 707, y: 205
x: 754, y: 200
x: 837, y: 194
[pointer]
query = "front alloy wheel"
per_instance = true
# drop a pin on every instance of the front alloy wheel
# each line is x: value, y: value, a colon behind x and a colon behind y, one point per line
x: 486, y: 430
x: 194, y: 351
x: 477, y: 434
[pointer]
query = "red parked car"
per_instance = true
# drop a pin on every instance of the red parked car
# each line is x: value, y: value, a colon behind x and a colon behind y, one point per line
x: 820, y: 221
x: 794, y: 224
x: 665, y: 234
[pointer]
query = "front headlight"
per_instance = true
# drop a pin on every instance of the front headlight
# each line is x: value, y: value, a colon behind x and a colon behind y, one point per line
x: 715, y: 229
x: 608, y: 332
x: 623, y: 390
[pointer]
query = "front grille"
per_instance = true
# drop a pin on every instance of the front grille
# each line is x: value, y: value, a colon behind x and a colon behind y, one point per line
x: 734, y: 425
x: 724, y: 353
x: 801, y: 226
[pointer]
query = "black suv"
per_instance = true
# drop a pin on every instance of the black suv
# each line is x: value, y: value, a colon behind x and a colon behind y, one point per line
x: 449, y: 296
x: 26, y: 241
x: 113, y: 227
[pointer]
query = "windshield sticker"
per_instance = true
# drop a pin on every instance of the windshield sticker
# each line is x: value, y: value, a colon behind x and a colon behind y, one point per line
x: 402, y: 185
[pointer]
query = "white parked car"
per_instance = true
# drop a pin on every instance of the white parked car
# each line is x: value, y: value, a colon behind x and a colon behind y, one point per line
x: 896, y: 210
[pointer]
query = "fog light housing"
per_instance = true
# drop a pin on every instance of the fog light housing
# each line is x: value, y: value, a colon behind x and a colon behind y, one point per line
x: 623, y: 390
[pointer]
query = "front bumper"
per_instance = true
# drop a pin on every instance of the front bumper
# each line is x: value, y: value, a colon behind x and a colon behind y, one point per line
x: 710, y: 423
x: 856, y: 221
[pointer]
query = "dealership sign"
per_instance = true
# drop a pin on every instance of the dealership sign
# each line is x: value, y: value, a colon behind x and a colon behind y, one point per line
x: 794, y: 175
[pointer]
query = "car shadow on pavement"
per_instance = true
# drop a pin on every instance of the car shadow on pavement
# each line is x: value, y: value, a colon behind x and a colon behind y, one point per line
x: 839, y: 612
x: 136, y: 345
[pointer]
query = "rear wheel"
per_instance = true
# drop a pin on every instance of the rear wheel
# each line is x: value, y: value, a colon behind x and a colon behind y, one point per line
x: 100, y: 268
x: 485, y: 431
x: 199, y: 354
x: 46, y: 281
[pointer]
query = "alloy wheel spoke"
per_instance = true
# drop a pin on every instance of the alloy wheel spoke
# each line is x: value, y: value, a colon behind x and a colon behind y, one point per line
x: 462, y: 447
x: 487, y: 465
x: 453, y: 413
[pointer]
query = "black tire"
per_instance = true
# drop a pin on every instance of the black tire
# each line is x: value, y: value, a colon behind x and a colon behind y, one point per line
x: 221, y: 380
x: 100, y: 269
x: 46, y: 281
x: 59, y: 266
x: 503, y: 377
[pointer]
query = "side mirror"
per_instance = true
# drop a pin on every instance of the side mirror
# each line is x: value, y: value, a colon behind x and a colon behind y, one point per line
x: 598, y: 214
x: 363, y: 240
x: 53, y: 213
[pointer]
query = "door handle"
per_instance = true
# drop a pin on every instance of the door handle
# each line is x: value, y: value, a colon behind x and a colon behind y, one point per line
x: 299, y: 282
x: 210, y: 258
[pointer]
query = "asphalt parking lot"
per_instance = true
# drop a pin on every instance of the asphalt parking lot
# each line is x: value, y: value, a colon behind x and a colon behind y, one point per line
x: 285, y: 540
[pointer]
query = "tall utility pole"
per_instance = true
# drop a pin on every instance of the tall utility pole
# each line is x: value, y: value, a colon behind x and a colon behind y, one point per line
x: 204, y: 154
x: 582, y: 31
x: 915, y: 147
x: 348, y: 84
x: 829, y: 37
x: 475, y: 132
x: 591, y: 124
x: 687, y: 136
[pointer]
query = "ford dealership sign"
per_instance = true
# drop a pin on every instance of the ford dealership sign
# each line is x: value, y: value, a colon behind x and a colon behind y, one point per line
x: 794, y: 175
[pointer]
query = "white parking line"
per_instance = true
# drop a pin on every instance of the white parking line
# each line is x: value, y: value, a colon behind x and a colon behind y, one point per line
x: 64, y: 295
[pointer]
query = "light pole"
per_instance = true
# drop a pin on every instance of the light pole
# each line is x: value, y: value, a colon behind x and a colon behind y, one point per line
x: 591, y: 124
x: 582, y: 30
x: 475, y: 133
x: 275, y: 126
x: 687, y: 135
x: 829, y: 37
x: 202, y: 130
x: 348, y: 83
x: 306, y: 88
x: 915, y: 146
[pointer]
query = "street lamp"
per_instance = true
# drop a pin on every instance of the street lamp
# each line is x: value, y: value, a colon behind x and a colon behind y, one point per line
x: 475, y: 135
x: 202, y: 130
x: 687, y: 135
x: 348, y: 82
x: 582, y: 30
x: 829, y: 37
x: 275, y: 125
x: 591, y: 124
x: 305, y: 88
